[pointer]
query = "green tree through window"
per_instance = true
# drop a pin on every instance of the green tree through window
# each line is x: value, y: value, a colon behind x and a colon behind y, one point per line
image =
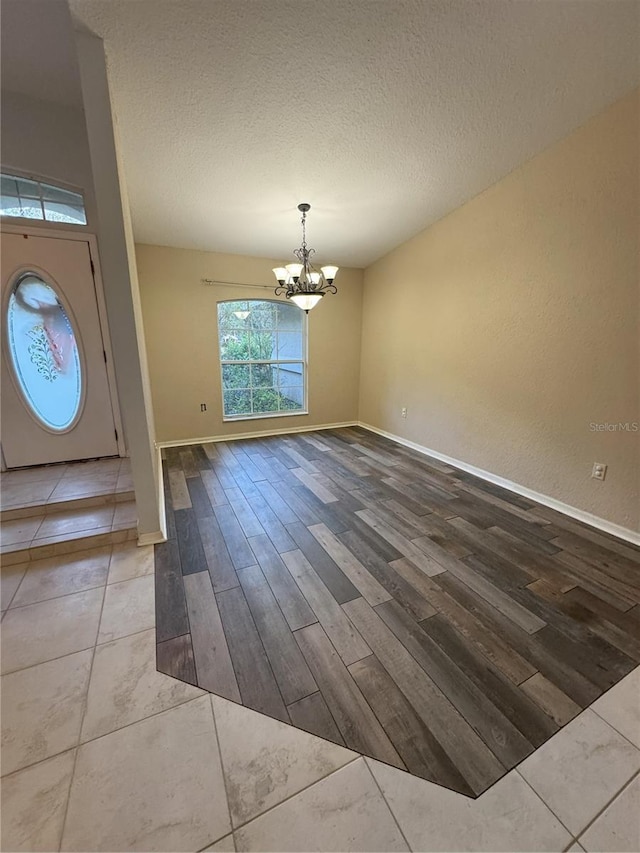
x: 262, y: 354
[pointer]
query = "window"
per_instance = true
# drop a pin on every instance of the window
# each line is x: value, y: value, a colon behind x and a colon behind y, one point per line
x: 29, y: 199
x: 263, y: 358
x: 44, y: 353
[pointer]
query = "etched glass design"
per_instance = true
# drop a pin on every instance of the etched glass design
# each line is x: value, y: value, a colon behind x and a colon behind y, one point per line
x: 44, y: 353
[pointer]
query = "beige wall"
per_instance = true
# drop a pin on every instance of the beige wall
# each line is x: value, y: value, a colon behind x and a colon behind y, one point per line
x: 181, y: 335
x: 512, y: 324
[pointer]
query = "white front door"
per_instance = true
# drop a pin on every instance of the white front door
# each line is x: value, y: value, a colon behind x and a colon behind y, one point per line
x: 56, y: 404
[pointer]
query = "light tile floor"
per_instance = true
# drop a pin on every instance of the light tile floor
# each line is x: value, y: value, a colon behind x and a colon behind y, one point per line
x: 101, y: 752
x: 44, y: 508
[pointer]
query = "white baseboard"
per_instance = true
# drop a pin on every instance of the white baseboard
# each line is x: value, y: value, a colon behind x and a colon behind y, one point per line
x: 566, y: 509
x: 154, y: 538
x: 254, y: 434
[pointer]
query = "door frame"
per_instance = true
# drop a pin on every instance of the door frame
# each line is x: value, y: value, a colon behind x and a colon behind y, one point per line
x: 98, y: 286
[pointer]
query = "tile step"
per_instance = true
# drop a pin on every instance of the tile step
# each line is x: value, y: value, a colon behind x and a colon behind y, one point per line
x: 78, y: 541
x: 64, y: 504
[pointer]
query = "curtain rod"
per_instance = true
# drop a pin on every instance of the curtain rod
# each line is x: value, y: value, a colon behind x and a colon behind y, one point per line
x: 236, y: 284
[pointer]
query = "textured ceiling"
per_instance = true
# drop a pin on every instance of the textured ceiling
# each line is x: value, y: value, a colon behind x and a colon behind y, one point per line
x: 384, y: 114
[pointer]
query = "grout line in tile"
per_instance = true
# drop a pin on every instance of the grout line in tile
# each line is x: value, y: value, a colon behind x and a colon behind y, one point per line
x: 357, y: 757
x: 224, y: 775
x: 605, y: 807
x: 604, y: 719
x: 387, y: 803
x: 82, y: 716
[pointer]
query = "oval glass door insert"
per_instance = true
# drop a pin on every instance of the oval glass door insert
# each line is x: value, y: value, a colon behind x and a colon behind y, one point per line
x: 44, y: 353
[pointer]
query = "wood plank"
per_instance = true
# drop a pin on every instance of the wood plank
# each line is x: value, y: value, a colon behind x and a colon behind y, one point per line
x: 192, y: 557
x: 511, y: 664
x: 199, y: 498
x: 256, y: 681
x: 245, y: 515
x: 269, y: 521
x: 278, y: 504
x: 214, y: 488
x: 518, y: 614
x: 188, y: 462
x: 288, y: 665
x: 353, y: 716
x: 312, y: 715
x: 179, y: 492
x: 214, y: 668
x: 171, y: 607
x: 545, y: 651
x: 410, y: 735
x: 293, y: 604
x: 346, y: 639
x: 237, y: 544
x: 425, y: 564
x: 201, y: 458
x: 430, y: 525
x: 301, y: 510
x: 324, y: 566
x: 368, y: 586
x: 399, y: 589
x: 528, y: 718
x: 467, y: 751
x: 500, y: 735
x: 320, y: 491
x: 223, y: 575
x: 211, y: 450
x: 551, y: 699
x: 175, y: 658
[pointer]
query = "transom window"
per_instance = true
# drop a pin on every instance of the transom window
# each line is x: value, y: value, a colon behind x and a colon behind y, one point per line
x: 263, y: 358
x: 28, y: 199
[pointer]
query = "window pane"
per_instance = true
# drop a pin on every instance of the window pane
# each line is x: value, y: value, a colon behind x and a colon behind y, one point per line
x: 262, y: 316
x: 50, y: 193
x: 263, y: 345
x: 26, y: 208
x: 44, y: 352
x: 262, y: 375
x: 235, y: 346
x: 233, y: 315
x: 26, y: 188
x: 290, y: 375
x: 291, y: 398
x: 235, y: 376
x: 237, y: 403
x: 265, y: 400
x: 55, y: 212
x: 289, y: 317
x: 290, y: 344
x: 9, y: 185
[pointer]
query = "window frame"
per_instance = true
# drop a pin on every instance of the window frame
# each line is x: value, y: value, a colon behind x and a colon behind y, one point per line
x: 6, y: 219
x: 304, y: 360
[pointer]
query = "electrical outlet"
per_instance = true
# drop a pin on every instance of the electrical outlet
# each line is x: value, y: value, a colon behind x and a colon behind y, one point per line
x: 403, y: 412
x: 599, y: 471
x: 203, y: 407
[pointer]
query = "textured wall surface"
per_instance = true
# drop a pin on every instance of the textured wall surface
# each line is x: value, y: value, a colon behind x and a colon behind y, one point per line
x: 180, y: 323
x: 47, y: 140
x: 510, y: 326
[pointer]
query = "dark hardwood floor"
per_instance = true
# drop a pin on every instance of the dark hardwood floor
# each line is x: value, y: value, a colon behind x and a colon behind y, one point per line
x: 382, y: 600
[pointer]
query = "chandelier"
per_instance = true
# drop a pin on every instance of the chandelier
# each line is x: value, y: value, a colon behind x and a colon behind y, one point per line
x: 300, y: 282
